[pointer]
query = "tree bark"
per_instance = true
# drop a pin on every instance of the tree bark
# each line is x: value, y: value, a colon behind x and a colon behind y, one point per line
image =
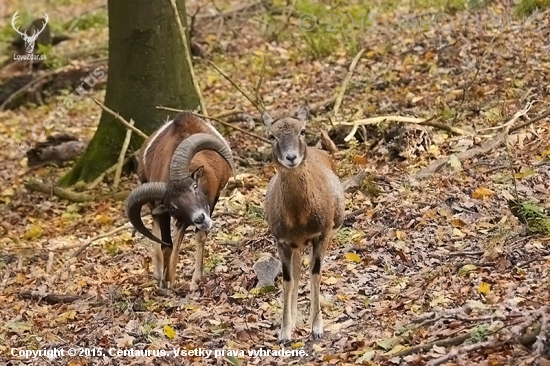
x: 146, y: 68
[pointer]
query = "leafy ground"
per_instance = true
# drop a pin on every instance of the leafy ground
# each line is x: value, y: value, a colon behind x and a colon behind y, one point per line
x: 419, y: 260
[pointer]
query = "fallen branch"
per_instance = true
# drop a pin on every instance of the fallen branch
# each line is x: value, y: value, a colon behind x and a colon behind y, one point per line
x: 329, y: 145
x: 464, y: 155
x: 236, y: 86
x: 454, y: 341
x: 72, y: 196
x: 220, y: 122
x: 531, y: 121
x: 483, y: 149
x: 511, y: 337
x: 52, y: 298
x: 121, y: 119
x: 64, y: 193
x: 120, y: 161
x: 420, y: 121
x: 344, y: 86
x: 188, y: 57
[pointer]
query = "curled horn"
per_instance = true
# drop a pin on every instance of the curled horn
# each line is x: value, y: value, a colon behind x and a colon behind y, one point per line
x: 147, y: 192
x: 179, y: 166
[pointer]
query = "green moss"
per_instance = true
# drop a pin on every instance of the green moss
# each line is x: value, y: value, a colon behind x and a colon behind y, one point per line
x: 97, y: 19
x: 528, y: 7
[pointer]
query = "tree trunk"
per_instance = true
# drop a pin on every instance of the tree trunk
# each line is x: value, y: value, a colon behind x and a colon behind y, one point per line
x: 146, y: 68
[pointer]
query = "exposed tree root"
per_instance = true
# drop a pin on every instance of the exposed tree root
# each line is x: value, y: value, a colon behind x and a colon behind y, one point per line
x: 70, y: 195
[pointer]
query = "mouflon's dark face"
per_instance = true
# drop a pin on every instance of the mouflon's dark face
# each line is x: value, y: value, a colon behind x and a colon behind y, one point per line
x: 288, y: 137
x: 187, y: 203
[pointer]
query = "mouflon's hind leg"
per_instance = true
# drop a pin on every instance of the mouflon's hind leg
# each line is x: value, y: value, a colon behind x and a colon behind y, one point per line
x: 318, y: 250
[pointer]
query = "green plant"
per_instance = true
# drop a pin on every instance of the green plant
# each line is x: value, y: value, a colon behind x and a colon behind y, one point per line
x: 528, y: 7
x: 478, y: 334
x: 346, y: 236
x: 531, y: 214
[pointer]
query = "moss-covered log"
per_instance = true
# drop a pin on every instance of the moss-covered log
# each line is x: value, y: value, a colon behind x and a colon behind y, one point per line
x: 146, y: 68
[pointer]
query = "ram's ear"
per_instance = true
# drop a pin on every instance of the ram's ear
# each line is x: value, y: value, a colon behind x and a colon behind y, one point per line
x: 267, y: 119
x: 197, y: 174
x: 303, y: 113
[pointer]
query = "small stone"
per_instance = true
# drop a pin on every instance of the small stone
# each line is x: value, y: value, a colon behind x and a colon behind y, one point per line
x: 266, y: 269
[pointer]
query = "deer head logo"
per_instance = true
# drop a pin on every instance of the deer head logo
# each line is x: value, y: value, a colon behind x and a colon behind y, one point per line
x: 29, y: 40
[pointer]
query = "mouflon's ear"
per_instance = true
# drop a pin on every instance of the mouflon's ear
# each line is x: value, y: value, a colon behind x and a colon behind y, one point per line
x: 267, y: 119
x: 303, y: 113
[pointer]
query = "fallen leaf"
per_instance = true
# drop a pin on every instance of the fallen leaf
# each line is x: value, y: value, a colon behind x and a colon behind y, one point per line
x: 482, y: 192
x: 483, y: 288
x: 169, y: 331
x: 353, y: 257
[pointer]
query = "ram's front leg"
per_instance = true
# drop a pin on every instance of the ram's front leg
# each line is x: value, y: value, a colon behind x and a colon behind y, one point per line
x: 158, y: 259
x: 165, y: 250
x: 200, y: 240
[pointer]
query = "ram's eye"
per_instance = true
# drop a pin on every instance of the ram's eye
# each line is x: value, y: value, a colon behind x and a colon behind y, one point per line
x: 195, y: 187
x: 303, y: 132
x: 271, y: 138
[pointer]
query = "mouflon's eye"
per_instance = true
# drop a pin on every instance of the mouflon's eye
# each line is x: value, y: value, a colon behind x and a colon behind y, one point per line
x: 271, y: 138
x: 303, y: 132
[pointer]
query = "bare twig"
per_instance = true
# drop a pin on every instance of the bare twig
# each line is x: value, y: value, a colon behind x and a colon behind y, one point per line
x: 235, y: 127
x: 344, y: 86
x: 88, y: 242
x: 460, y: 254
x: 120, y: 162
x: 276, y: 34
x: 188, y: 57
x: 512, y: 119
x: 220, y: 122
x: 259, y: 85
x: 236, y: 86
x: 531, y: 121
x: 121, y: 119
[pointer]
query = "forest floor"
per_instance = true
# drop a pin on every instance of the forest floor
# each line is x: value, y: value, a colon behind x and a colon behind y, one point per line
x: 437, y: 258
